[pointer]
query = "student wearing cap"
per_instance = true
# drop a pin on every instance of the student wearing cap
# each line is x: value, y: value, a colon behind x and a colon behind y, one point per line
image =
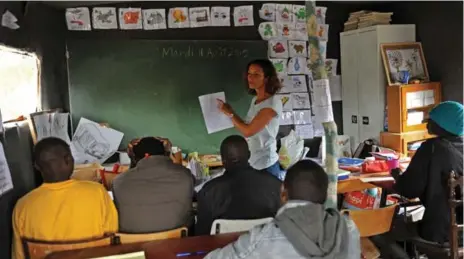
x: 427, y: 175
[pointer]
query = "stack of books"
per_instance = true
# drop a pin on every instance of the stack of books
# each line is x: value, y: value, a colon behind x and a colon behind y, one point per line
x: 362, y: 19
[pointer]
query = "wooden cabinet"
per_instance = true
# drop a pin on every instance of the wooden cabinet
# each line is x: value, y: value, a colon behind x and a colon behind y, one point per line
x: 400, y: 141
x: 363, y: 78
x: 409, y: 105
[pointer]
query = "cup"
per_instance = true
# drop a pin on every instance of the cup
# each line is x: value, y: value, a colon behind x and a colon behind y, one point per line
x: 393, y: 164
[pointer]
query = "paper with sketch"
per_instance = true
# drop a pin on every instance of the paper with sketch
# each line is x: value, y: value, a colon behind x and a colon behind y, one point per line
x: 322, y: 106
x: 215, y: 120
x: 335, y: 88
x: 6, y: 183
x: 94, y: 143
x: 52, y: 125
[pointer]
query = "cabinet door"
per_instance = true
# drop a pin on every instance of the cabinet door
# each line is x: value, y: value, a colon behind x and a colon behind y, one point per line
x: 349, y: 64
x: 370, y: 106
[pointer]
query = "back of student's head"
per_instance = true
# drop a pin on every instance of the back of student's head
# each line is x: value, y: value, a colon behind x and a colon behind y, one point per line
x: 234, y: 151
x: 307, y: 181
x: 53, y: 158
x: 148, y: 146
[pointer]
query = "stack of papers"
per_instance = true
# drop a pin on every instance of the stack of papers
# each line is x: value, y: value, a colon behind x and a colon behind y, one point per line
x: 364, y: 19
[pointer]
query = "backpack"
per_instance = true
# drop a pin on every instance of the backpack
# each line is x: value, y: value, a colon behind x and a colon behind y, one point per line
x: 365, y: 148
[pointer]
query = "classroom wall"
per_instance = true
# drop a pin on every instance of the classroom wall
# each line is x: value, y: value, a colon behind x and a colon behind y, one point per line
x: 42, y: 31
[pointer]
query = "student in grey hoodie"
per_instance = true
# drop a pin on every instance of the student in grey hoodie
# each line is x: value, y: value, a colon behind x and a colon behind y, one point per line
x: 302, y: 228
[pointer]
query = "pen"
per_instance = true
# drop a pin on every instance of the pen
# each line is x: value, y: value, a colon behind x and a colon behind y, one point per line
x: 191, y: 254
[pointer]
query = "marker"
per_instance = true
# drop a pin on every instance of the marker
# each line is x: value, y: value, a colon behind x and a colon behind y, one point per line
x: 191, y: 254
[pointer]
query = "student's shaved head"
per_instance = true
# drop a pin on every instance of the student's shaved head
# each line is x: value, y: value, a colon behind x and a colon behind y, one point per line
x: 53, y: 158
x: 234, y: 151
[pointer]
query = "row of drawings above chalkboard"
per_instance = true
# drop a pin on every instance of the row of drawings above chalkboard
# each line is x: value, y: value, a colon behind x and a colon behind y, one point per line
x: 78, y: 19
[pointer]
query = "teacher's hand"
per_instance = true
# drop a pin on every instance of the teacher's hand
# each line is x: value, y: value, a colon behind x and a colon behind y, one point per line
x: 225, y: 108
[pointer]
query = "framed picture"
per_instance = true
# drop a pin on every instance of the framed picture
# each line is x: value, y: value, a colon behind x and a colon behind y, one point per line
x: 404, y: 62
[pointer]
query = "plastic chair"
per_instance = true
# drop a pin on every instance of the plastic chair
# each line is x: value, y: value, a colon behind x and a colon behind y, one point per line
x: 221, y: 226
x: 126, y: 238
x: 36, y: 249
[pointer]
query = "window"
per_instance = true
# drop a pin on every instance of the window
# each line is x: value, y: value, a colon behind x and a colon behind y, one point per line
x: 19, y: 83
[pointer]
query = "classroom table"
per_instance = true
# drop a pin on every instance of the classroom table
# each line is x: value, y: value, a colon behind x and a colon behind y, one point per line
x: 162, y: 249
x: 354, y: 183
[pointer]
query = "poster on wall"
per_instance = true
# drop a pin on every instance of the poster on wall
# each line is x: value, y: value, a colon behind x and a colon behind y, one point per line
x: 298, y: 49
x: 220, y: 16
x: 285, y: 30
x: 267, y: 30
x: 299, y: 13
x: 104, y: 18
x: 199, y: 17
x: 278, y: 48
x: 178, y: 17
x: 297, y: 66
x: 280, y: 65
x: 286, y: 102
x: 154, y: 19
x: 78, y: 19
x: 130, y: 18
x: 243, y: 15
x: 284, y: 13
x: 267, y: 12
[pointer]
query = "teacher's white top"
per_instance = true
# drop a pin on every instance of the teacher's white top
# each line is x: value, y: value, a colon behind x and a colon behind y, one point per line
x: 263, y: 145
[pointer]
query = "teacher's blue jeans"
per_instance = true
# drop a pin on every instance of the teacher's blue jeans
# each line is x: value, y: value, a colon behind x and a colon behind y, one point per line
x: 276, y: 171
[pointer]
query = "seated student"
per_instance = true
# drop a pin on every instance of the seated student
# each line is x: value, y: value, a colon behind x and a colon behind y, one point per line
x: 427, y: 175
x: 155, y: 195
x: 241, y: 193
x: 61, y: 209
x: 302, y: 228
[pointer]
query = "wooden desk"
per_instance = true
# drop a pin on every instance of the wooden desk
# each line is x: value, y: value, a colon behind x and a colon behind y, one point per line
x: 162, y: 249
x: 354, y: 183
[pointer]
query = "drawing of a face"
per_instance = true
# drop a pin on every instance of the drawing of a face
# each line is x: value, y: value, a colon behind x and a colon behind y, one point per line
x: 243, y: 16
x: 220, y: 15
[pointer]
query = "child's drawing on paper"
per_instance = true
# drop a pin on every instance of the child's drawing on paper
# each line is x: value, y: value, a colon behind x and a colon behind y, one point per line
x: 285, y: 30
x: 154, y: 19
x: 331, y: 66
x: 286, y: 83
x: 297, y: 49
x: 220, y: 16
x: 286, y: 102
x: 284, y: 13
x: 299, y: 12
x: 267, y: 30
x: 178, y: 17
x: 199, y: 17
x: 130, y: 18
x: 301, y: 101
x: 320, y: 14
x: 296, y: 66
x: 78, y: 19
x: 243, y: 15
x: 278, y: 49
x: 286, y: 118
x: 267, y: 12
x: 300, y: 32
x: 323, y: 32
x: 280, y: 65
x: 298, y: 84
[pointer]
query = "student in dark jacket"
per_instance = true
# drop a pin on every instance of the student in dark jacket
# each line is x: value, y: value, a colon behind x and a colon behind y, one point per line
x: 241, y: 193
x: 428, y: 173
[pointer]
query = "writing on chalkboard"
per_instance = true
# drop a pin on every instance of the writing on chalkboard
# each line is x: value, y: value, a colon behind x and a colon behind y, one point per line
x: 207, y: 53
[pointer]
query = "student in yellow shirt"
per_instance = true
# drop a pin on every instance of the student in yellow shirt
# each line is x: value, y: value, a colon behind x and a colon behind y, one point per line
x: 61, y: 209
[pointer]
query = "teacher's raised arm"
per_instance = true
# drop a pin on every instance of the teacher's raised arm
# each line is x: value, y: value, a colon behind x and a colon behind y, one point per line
x: 261, y: 124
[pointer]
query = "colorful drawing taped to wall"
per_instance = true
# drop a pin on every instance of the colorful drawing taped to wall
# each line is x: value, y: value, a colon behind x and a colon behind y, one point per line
x: 199, y: 17
x: 285, y: 30
x: 154, y: 19
x: 298, y: 84
x: 299, y: 12
x: 267, y: 12
x: 320, y: 14
x: 130, y: 18
x: 284, y: 13
x: 220, y: 16
x: 323, y: 49
x: 301, y: 101
x: 296, y: 66
x: 104, y: 18
x: 286, y: 102
x: 178, y: 18
x: 331, y: 66
x: 297, y: 49
x: 280, y: 65
x: 267, y: 30
x: 300, y: 32
x: 243, y: 15
x: 323, y: 32
x: 78, y: 19
x: 278, y: 49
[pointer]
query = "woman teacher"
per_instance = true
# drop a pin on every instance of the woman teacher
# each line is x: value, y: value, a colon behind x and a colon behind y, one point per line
x: 261, y: 124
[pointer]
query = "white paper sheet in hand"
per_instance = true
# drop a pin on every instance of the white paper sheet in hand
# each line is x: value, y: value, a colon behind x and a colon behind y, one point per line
x: 94, y: 143
x: 52, y: 125
x: 215, y: 120
x: 6, y: 183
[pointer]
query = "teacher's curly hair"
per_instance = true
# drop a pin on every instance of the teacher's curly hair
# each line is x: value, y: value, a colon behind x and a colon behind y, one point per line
x: 273, y: 84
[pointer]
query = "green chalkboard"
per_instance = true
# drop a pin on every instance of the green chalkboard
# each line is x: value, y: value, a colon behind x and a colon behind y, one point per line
x: 151, y: 87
